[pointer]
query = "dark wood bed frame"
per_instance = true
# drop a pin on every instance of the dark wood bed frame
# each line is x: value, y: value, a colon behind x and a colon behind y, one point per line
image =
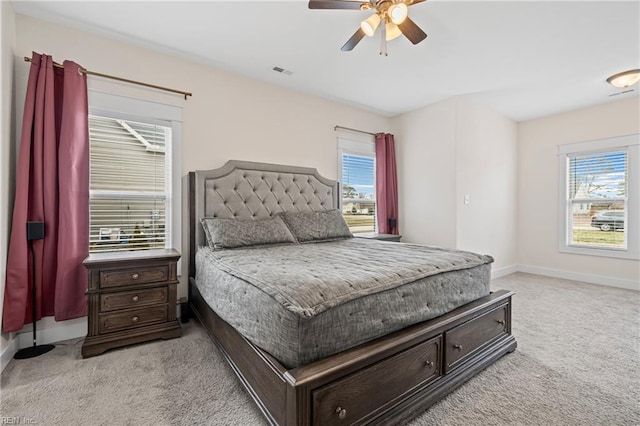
x: 389, y: 380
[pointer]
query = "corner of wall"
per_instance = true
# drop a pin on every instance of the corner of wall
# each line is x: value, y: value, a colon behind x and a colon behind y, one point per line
x: 8, y: 342
x: 9, y: 349
x: 426, y: 176
x: 486, y: 175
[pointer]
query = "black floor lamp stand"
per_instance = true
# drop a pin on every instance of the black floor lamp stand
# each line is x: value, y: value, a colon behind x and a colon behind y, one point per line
x: 35, y: 231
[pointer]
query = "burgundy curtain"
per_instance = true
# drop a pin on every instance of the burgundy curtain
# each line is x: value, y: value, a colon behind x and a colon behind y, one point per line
x: 52, y: 186
x: 386, y: 184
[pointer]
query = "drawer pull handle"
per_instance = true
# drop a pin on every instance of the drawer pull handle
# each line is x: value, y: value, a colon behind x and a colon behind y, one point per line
x: 134, y: 319
x: 135, y: 298
x: 458, y: 347
x: 342, y: 413
x: 135, y: 276
x: 429, y: 364
x: 501, y: 322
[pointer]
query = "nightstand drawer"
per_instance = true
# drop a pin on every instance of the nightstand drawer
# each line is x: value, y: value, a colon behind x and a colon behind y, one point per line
x: 143, y: 275
x: 133, y: 318
x: 132, y: 299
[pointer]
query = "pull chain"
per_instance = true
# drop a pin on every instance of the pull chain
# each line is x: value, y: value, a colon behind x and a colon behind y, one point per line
x: 383, y: 38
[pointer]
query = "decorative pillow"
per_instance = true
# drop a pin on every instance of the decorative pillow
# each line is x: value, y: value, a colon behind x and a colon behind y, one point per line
x: 229, y: 233
x: 317, y: 226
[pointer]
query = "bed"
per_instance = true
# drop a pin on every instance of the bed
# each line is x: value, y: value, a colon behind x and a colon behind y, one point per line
x: 333, y: 359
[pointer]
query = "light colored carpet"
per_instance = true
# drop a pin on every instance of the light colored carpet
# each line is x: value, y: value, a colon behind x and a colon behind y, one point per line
x: 577, y: 363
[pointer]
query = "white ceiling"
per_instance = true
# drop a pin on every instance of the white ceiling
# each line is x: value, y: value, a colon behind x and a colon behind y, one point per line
x: 523, y: 59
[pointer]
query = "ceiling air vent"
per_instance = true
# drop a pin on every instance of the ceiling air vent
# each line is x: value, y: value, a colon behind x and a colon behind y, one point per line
x: 282, y: 71
x: 622, y: 93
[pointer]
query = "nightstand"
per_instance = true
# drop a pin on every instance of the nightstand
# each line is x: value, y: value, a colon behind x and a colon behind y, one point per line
x: 381, y: 237
x: 132, y: 299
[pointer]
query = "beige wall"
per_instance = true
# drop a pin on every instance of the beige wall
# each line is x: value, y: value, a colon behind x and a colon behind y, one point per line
x: 228, y: 117
x: 538, y: 187
x: 7, y: 135
x: 426, y: 163
x: 486, y: 167
x: 449, y: 150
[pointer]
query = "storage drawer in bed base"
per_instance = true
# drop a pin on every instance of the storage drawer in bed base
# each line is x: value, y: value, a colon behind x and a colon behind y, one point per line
x: 402, y: 373
x: 306, y: 395
x: 464, y: 341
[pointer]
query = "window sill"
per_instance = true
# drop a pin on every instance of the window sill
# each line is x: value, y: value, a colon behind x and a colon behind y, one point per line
x: 600, y: 252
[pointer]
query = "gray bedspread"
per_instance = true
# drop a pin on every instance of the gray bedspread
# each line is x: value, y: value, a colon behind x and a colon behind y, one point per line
x: 310, y: 278
x: 302, y: 302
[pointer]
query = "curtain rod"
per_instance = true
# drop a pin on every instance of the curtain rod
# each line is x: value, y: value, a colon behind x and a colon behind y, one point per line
x: 125, y: 80
x: 353, y: 130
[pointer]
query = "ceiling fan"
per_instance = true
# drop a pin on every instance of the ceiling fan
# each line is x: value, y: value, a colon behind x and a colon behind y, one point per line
x: 392, y: 13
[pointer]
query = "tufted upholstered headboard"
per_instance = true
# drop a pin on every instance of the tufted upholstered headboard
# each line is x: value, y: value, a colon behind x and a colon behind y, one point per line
x: 248, y: 190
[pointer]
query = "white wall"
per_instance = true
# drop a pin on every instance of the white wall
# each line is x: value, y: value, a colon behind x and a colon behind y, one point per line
x: 448, y: 150
x: 7, y: 150
x: 228, y: 117
x: 538, y: 188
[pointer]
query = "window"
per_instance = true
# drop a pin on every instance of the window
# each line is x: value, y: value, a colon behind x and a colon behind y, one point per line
x: 133, y: 176
x: 357, y: 166
x: 600, y: 197
x: 128, y: 184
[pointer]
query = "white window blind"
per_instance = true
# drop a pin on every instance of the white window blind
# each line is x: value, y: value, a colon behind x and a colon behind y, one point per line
x: 597, y: 199
x: 359, y: 191
x: 130, y: 184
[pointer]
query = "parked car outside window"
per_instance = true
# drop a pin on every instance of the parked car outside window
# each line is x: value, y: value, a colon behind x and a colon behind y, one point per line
x: 608, y: 220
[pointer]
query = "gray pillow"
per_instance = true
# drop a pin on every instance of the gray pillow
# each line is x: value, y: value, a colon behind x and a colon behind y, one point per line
x: 317, y: 226
x: 229, y: 233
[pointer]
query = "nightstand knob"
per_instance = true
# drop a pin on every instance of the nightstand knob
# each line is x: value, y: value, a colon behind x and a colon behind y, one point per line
x: 458, y: 347
x: 135, y: 298
x: 342, y: 413
x: 501, y: 322
x: 134, y: 319
x: 135, y: 276
x: 429, y: 364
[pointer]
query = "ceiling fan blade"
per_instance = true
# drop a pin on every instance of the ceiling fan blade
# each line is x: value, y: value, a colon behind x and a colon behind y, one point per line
x: 412, y: 2
x: 353, y: 41
x: 412, y: 31
x: 337, y: 4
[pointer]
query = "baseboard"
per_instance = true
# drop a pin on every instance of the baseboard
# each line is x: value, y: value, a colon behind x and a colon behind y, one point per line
x: 577, y: 276
x: 8, y: 352
x: 50, y: 331
x: 503, y: 271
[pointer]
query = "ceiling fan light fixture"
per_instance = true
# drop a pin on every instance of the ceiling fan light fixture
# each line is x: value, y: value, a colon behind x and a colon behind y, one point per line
x: 624, y: 79
x: 398, y: 12
x: 370, y: 24
x: 392, y: 31
x: 391, y: 13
